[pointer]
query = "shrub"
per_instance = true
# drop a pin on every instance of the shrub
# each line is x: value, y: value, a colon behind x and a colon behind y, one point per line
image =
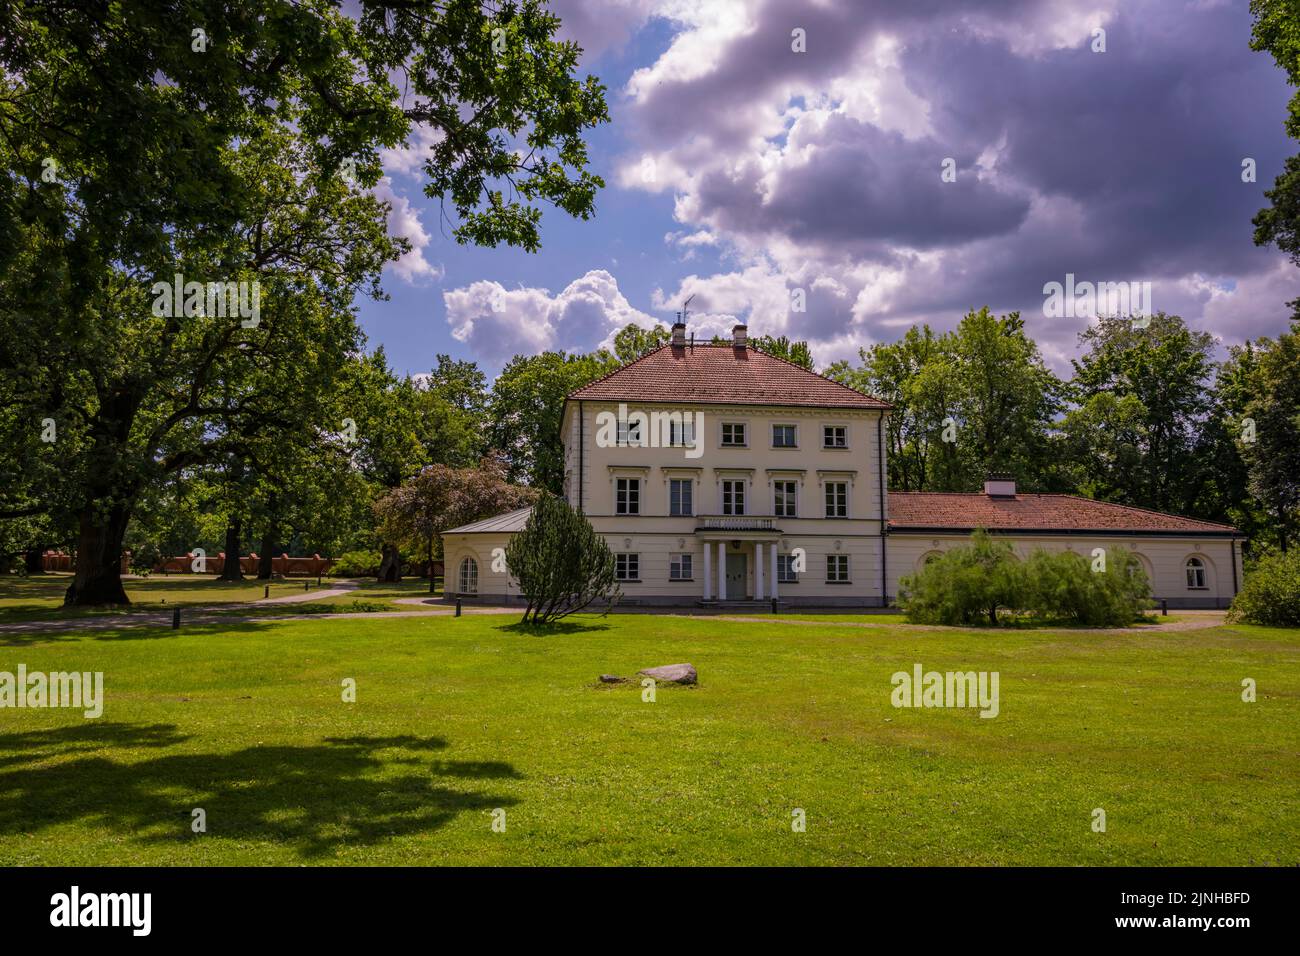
x: 967, y: 585
x: 561, y: 563
x: 1271, y: 592
x: 973, y: 583
x: 1063, y: 586
x: 356, y: 564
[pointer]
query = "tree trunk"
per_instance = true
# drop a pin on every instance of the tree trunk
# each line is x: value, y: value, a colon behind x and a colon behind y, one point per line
x: 230, y: 570
x: 270, y: 544
x: 390, y: 567
x: 34, y: 561
x: 99, y: 559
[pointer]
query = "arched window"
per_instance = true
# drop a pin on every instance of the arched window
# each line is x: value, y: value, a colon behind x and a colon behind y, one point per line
x: 469, y: 576
x: 1196, y: 574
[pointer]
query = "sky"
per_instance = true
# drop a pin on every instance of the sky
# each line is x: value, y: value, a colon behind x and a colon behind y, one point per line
x: 914, y: 160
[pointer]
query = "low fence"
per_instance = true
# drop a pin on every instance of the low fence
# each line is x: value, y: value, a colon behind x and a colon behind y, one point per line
x: 284, y: 565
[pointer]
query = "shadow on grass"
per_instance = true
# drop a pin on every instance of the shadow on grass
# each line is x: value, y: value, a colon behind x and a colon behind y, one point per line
x: 552, y: 629
x: 124, y: 628
x: 313, y: 798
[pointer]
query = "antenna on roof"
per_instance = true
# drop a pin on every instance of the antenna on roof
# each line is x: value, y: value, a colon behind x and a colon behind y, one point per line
x: 681, y: 316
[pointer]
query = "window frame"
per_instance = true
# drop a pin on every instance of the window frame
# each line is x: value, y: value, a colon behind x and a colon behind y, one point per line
x: 833, y: 505
x: 688, y: 497
x: 679, y: 561
x: 467, y: 576
x: 832, y: 446
x: 744, y: 435
x: 1194, y: 568
x: 835, y: 561
x: 630, y: 501
x: 791, y: 501
x: 785, y: 572
x: 737, y: 486
x: 630, y: 561
x: 794, y: 435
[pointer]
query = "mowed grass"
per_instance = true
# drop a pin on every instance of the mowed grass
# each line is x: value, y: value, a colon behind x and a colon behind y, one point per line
x: 457, y: 717
x: 41, y: 596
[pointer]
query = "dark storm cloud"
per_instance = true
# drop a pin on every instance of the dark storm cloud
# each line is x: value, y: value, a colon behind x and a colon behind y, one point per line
x: 1121, y: 165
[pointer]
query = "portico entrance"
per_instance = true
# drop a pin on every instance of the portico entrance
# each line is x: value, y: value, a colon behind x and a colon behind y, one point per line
x: 737, y: 578
x: 739, y: 557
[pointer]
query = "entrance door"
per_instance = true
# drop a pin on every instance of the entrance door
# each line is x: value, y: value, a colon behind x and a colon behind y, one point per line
x: 735, y: 577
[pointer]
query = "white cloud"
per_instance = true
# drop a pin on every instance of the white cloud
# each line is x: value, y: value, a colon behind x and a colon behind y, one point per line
x: 404, y: 220
x: 498, y: 323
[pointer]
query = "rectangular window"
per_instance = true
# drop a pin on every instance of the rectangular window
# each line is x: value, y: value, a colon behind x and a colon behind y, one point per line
x: 733, y: 434
x: 627, y: 567
x: 681, y: 434
x: 679, y: 567
x: 835, y: 436
x: 679, y: 496
x: 783, y: 436
x: 627, y: 496
x: 785, y: 569
x: 629, y: 433
x: 837, y: 499
x: 837, y: 568
x: 733, y: 497
x: 783, y: 504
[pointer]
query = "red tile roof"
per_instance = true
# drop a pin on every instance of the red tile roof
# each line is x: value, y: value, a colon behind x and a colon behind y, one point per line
x: 722, y: 375
x: 916, y: 510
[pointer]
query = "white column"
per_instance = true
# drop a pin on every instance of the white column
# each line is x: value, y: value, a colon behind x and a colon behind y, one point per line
x: 758, y: 570
x: 722, y: 570
x: 774, y: 588
x: 708, y: 575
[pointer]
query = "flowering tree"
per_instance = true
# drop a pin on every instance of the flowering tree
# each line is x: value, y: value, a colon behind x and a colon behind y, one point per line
x: 416, y: 512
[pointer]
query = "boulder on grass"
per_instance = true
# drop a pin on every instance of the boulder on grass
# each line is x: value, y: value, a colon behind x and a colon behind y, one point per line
x: 672, y: 674
x: 612, y: 679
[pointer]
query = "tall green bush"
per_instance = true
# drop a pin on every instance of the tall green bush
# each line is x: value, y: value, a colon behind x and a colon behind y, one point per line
x: 560, y: 563
x: 1271, y: 592
x: 967, y: 585
x: 983, y: 582
x: 1064, y: 586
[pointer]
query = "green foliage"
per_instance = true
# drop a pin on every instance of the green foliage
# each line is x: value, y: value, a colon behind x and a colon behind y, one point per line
x: 416, y: 512
x: 631, y: 342
x: 1277, y: 31
x: 976, y: 583
x: 1273, y: 458
x: 984, y: 385
x: 966, y: 585
x: 560, y: 563
x: 783, y: 348
x: 1144, y: 446
x: 356, y: 564
x: 1062, y: 586
x: 527, y: 411
x: 1270, y: 594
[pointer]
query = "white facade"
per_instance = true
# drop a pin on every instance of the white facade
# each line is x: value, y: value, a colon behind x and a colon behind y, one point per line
x: 704, y: 502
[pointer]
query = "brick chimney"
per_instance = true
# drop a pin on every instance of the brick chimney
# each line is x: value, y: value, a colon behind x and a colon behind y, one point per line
x: 1000, y: 485
x: 679, y: 335
x: 740, y: 336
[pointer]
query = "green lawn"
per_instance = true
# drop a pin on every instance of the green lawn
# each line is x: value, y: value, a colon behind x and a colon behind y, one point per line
x: 457, y: 717
x: 42, y: 596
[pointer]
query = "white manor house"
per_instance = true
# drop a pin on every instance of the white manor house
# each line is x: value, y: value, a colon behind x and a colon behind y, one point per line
x: 720, y: 474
